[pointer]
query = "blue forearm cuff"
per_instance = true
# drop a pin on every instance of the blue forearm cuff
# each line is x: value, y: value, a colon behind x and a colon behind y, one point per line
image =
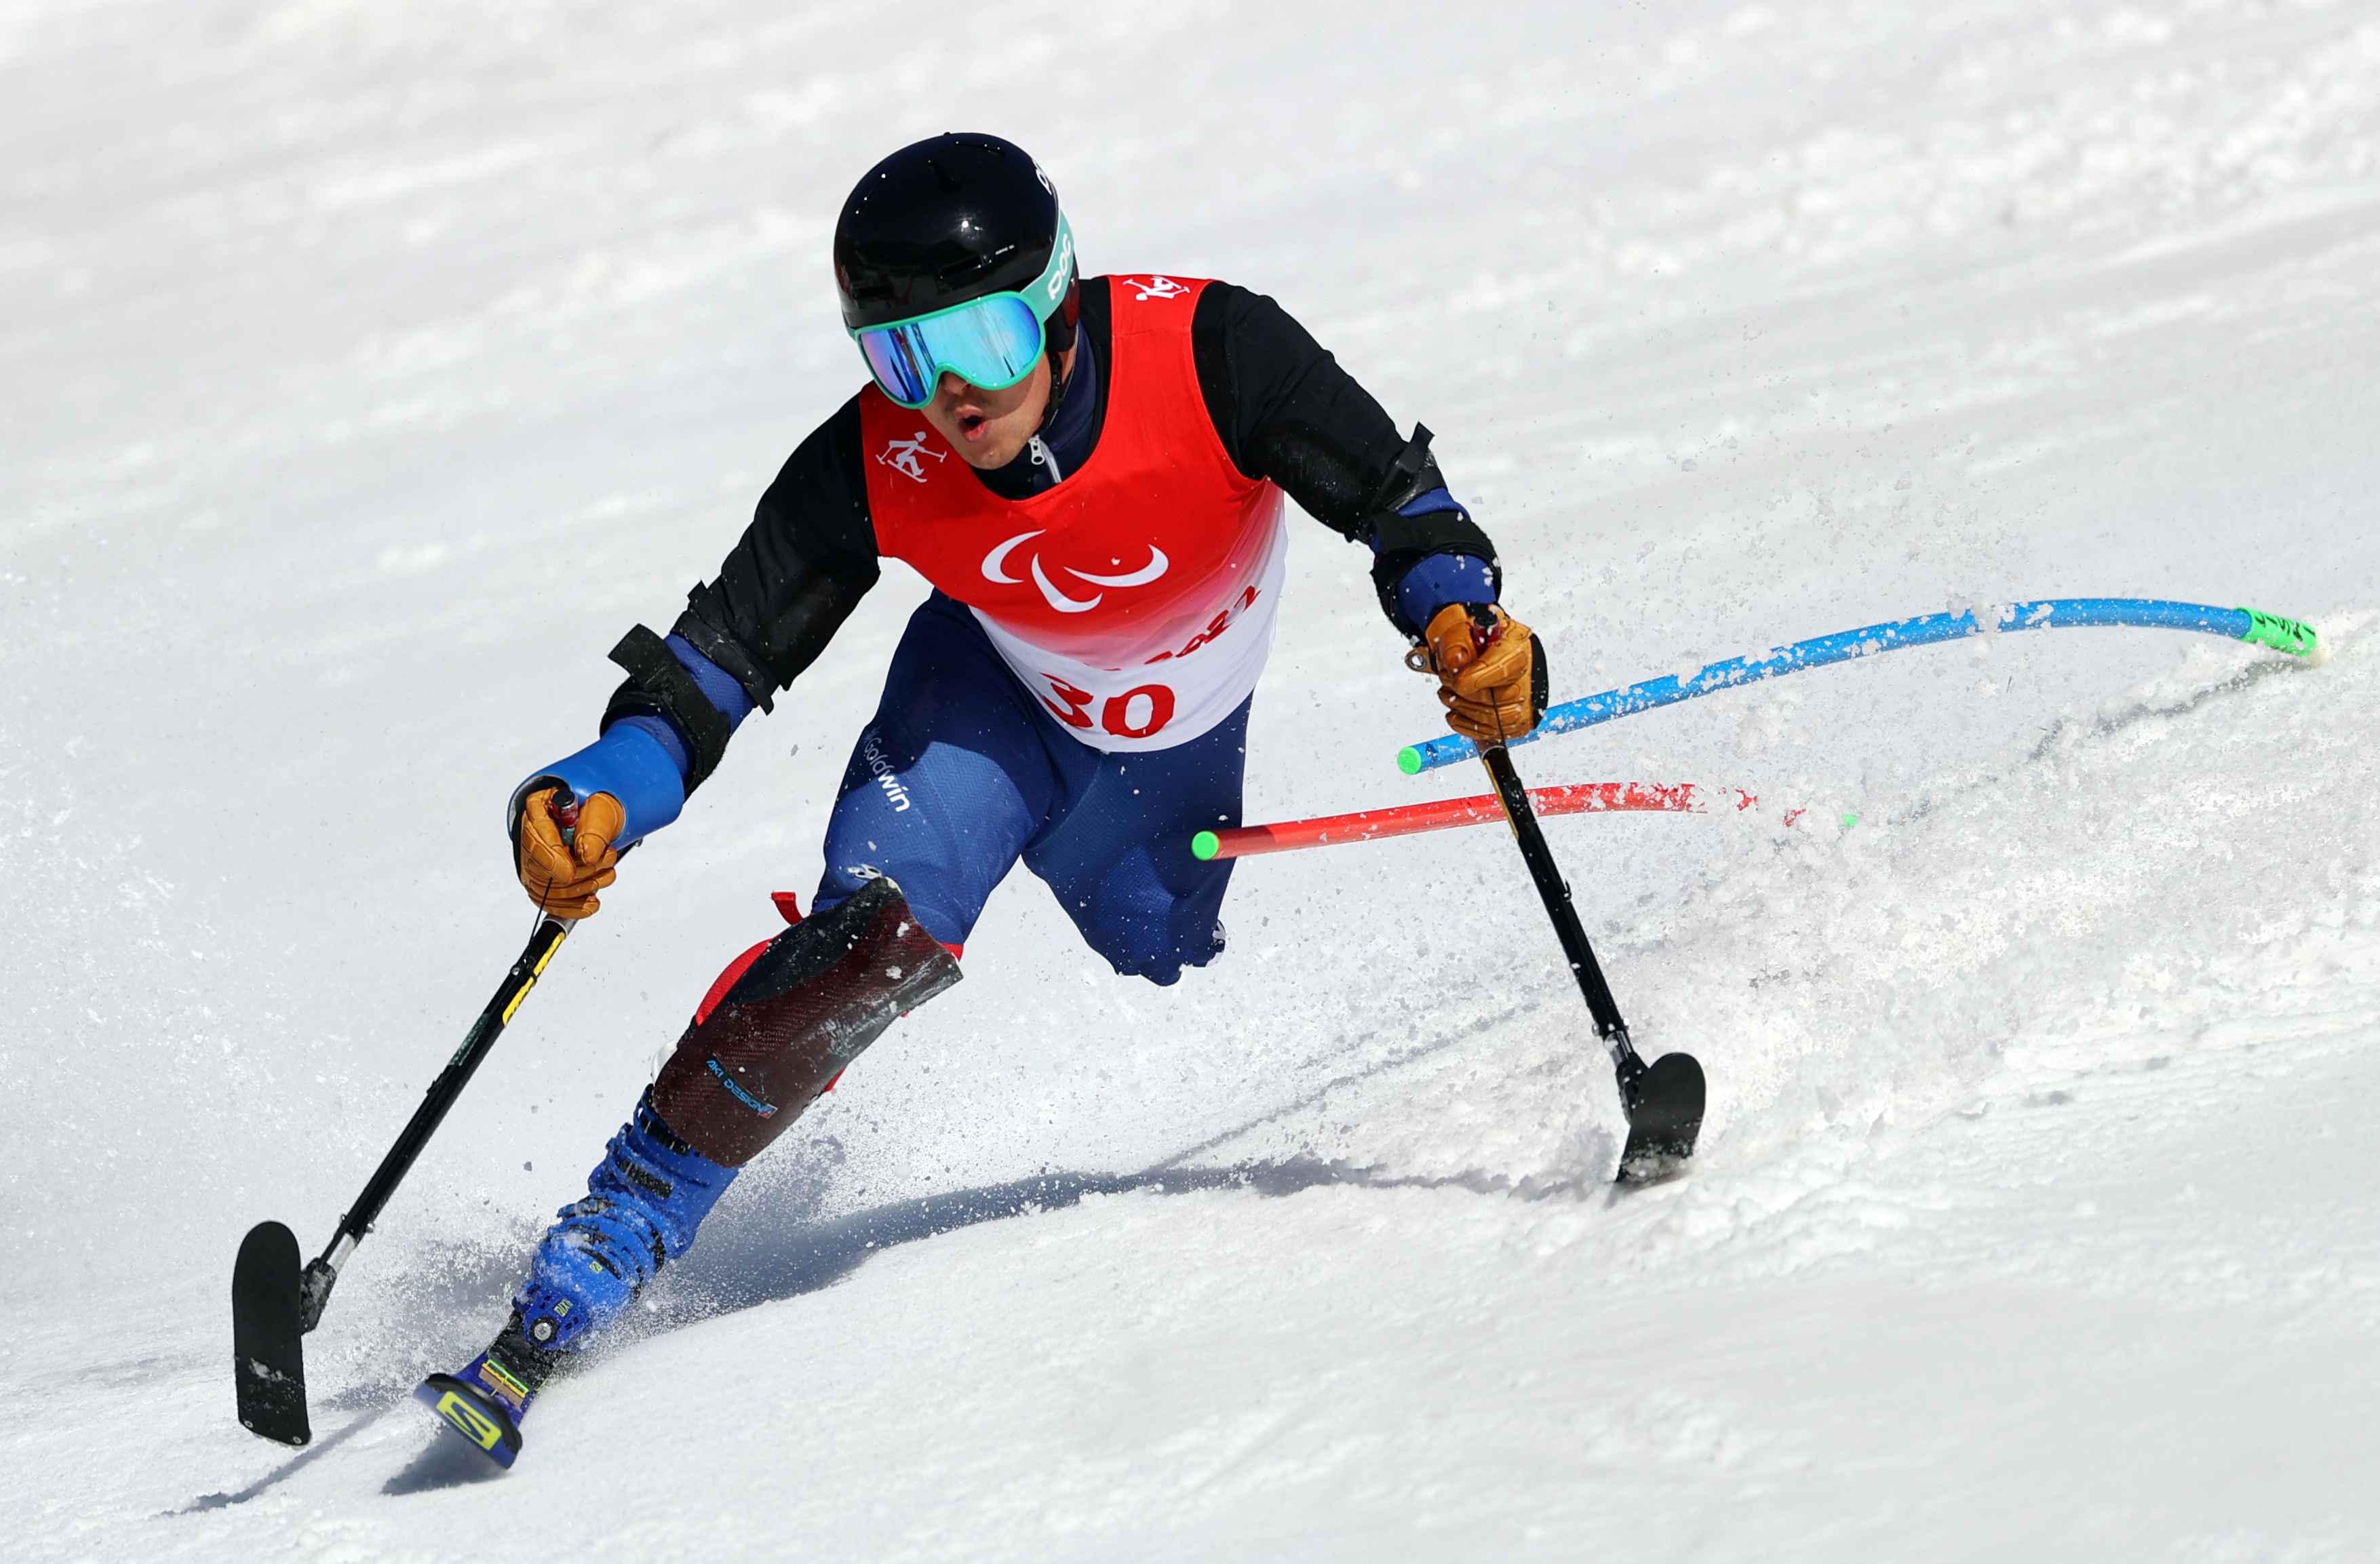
x: 659, y: 729
x: 631, y: 765
x: 1435, y: 580
x: 717, y: 684
x: 642, y: 761
x: 1439, y: 579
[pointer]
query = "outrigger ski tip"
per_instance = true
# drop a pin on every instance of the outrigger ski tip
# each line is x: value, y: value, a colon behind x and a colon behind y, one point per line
x: 1665, y: 1115
x: 268, y: 1331
x: 475, y: 1416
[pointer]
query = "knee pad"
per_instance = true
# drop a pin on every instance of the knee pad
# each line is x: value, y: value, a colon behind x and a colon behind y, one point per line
x: 643, y: 1203
x: 802, y: 1009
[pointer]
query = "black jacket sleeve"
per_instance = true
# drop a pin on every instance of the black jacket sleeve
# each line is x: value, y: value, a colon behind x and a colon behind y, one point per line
x: 798, y: 572
x: 1286, y: 411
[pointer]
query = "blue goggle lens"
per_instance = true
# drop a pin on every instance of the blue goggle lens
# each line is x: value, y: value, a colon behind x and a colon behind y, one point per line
x: 991, y: 343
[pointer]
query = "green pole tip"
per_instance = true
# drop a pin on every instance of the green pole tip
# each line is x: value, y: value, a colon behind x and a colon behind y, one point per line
x: 1205, y: 845
x: 1849, y: 820
x: 2282, y: 634
x: 1409, y: 761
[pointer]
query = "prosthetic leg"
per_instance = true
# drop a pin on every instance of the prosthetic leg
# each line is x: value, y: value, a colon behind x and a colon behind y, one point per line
x: 785, y: 1019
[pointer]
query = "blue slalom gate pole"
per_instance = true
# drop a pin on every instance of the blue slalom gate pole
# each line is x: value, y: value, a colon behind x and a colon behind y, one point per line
x: 2060, y: 613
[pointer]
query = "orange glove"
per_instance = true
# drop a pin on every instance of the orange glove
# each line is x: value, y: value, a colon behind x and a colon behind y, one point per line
x: 1491, y: 675
x: 562, y: 879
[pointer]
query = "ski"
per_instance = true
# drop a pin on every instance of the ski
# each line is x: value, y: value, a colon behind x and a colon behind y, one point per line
x: 1663, y: 1099
x: 487, y: 1403
x: 471, y: 1410
x: 268, y: 1328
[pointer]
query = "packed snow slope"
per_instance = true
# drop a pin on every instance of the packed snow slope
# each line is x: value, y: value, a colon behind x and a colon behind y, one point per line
x: 370, y: 367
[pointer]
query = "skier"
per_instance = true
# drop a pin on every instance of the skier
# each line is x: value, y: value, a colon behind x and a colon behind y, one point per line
x: 1090, y: 474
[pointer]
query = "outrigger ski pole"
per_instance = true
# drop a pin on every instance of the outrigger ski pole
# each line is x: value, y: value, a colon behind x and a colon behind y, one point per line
x: 1663, y: 1099
x: 272, y: 1303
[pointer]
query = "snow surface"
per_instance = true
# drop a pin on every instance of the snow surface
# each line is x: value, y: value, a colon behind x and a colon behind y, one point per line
x: 370, y: 366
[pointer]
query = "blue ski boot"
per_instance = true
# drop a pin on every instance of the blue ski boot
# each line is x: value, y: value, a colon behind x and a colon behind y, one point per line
x: 643, y: 1203
x: 779, y: 1027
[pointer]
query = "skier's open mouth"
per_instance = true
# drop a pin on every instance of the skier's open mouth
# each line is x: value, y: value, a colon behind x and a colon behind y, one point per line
x: 971, y: 425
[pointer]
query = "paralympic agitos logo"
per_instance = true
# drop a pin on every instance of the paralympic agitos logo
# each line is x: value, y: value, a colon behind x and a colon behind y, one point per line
x: 995, y: 569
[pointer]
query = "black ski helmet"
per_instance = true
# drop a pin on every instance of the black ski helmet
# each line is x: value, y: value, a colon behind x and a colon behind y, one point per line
x: 945, y: 221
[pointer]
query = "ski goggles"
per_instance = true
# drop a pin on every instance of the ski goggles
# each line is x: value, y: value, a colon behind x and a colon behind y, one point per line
x: 990, y: 342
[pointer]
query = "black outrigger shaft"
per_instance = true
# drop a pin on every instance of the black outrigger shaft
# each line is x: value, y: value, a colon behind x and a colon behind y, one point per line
x: 1663, y: 1099
x: 273, y: 1305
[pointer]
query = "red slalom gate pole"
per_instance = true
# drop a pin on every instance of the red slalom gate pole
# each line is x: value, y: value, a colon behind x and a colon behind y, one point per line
x: 1373, y: 825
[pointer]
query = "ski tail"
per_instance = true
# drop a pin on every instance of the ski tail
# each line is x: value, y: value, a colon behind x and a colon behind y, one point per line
x: 268, y: 1335
x: 469, y: 1410
x: 488, y: 1401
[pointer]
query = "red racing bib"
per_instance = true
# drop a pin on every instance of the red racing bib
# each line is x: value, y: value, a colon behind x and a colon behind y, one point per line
x: 1136, y: 597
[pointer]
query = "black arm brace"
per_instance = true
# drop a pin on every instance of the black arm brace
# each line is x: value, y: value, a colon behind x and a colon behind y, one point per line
x: 702, y: 626
x: 795, y: 610
x: 1404, y: 542
x: 659, y: 686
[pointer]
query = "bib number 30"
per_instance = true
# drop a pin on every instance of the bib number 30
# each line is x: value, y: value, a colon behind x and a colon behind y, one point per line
x: 1137, y: 713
